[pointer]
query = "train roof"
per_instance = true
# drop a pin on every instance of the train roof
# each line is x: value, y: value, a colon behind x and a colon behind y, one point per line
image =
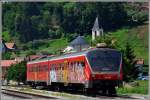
x: 82, y: 53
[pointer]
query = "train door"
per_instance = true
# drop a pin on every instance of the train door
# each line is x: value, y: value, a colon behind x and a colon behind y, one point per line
x: 52, y: 73
x: 35, y: 73
x: 49, y: 74
x: 81, y: 71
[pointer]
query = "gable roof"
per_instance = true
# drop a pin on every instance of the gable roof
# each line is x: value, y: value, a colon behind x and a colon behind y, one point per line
x: 10, y: 45
x: 79, y: 41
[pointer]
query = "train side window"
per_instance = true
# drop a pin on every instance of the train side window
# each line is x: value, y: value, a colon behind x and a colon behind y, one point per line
x: 38, y: 68
x: 43, y: 68
x: 79, y: 64
x: 83, y: 64
x: 76, y: 64
x: 46, y: 67
x: 35, y: 68
x: 58, y: 66
x: 32, y: 69
x: 50, y: 66
x: 29, y: 69
x: 69, y: 65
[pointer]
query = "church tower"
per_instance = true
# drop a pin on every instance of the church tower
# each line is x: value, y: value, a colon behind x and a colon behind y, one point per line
x: 96, y: 31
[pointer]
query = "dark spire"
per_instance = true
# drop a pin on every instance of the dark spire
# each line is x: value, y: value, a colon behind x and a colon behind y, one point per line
x: 96, y: 25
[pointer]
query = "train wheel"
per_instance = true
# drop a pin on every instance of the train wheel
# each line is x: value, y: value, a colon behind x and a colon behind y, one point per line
x: 33, y: 85
x: 104, y: 92
x: 90, y: 92
x: 112, y: 91
x: 86, y: 91
x: 57, y: 88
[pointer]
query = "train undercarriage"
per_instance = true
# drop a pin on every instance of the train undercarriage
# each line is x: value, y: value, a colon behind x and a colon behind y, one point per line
x: 103, y: 87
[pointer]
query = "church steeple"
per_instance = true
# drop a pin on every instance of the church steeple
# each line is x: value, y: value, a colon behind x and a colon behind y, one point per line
x: 96, y: 31
x: 96, y: 25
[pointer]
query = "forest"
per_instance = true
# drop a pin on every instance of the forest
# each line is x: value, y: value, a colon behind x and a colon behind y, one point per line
x: 24, y: 22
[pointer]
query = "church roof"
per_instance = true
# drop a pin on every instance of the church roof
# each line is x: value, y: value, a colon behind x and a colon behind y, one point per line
x: 79, y: 41
x: 96, y: 25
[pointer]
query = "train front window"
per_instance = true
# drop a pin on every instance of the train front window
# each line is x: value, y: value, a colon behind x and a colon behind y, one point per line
x: 104, y: 61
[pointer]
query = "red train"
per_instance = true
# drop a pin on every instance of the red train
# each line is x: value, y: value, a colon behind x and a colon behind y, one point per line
x: 98, y: 68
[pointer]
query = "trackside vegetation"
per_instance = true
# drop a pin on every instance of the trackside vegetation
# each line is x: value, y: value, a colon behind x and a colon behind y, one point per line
x: 137, y: 87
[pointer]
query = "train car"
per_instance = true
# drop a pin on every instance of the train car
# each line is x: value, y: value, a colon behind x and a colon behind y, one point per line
x: 37, y: 72
x: 98, y: 68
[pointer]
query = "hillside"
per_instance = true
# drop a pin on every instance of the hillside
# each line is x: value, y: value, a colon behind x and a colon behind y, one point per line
x: 136, y: 36
x: 44, y: 46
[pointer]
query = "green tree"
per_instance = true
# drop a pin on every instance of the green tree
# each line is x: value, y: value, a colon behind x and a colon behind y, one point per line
x: 130, y: 71
x: 6, y: 55
x: 17, y: 72
x: 108, y: 39
x: 6, y: 36
x: 71, y: 17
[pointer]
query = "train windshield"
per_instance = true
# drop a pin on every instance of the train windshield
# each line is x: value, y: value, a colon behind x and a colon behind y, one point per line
x: 104, y: 61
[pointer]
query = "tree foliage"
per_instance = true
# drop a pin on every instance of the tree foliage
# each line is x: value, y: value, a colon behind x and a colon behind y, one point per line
x: 108, y: 39
x: 17, y: 72
x: 6, y: 55
x: 130, y: 71
x: 54, y: 20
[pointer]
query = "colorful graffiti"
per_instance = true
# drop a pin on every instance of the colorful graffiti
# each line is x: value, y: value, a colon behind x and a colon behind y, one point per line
x: 72, y: 72
x: 53, y: 77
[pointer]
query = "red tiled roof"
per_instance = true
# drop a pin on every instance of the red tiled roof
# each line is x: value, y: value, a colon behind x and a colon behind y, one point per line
x: 7, y: 63
x: 10, y: 45
x: 140, y: 61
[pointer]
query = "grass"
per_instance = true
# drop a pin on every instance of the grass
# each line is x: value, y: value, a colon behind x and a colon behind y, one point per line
x: 137, y: 37
x: 49, y: 46
x: 141, y: 88
x: 55, y: 46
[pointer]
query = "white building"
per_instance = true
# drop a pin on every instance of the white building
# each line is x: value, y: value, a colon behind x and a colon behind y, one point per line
x: 96, y: 31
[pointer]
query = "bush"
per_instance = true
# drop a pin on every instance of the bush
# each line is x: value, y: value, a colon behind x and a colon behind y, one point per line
x: 6, y: 55
x: 17, y: 72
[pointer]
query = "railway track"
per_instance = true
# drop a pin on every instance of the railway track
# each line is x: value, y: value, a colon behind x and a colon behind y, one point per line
x: 24, y: 95
x: 70, y: 94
